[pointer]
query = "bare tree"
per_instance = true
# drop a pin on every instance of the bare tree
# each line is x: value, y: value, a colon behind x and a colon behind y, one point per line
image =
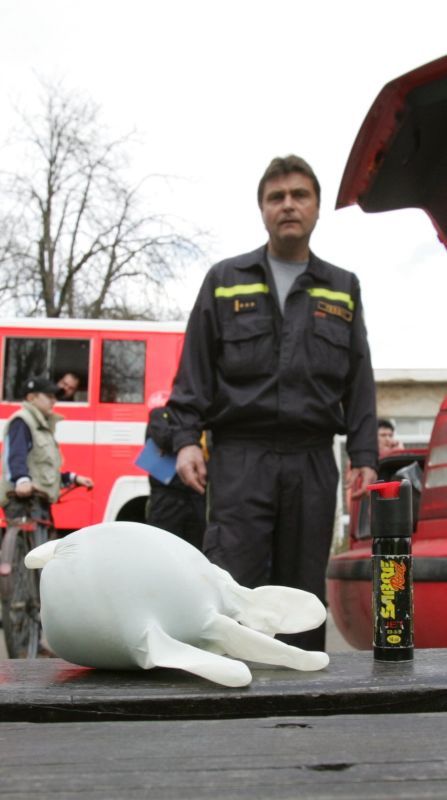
x: 74, y: 240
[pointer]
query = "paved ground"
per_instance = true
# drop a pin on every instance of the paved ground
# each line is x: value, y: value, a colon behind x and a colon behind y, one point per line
x: 335, y: 641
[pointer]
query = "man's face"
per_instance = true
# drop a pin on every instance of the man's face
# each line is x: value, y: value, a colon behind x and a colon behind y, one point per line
x: 69, y: 383
x: 44, y: 402
x: 385, y: 438
x: 289, y: 211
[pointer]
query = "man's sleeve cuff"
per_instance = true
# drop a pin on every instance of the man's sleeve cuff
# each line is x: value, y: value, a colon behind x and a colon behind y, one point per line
x: 365, y: 458
x: 184, y: 439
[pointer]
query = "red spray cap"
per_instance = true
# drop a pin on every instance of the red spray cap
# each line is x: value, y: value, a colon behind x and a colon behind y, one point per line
x: 386, y: 488
x: 391, y: 509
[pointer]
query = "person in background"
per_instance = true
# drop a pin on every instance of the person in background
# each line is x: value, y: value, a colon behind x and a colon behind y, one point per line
x: 386, y: 437
x: 69, y: 383
x: 275, y: 362
x: 173, y: 506
x: 387, y: 444
x: 31, y: 455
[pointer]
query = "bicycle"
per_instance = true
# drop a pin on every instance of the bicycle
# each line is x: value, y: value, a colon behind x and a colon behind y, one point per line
x: 29, y: 523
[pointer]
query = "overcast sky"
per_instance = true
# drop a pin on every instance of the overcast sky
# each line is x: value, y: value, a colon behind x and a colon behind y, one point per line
x: 215, y: 90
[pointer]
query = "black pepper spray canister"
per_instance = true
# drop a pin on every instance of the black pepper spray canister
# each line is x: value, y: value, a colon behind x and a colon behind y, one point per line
x: 392, y: 570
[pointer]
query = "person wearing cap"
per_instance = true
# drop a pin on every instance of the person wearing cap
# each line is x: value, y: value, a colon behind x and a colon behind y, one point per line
x: 31, y: 456
x: 173, y: 506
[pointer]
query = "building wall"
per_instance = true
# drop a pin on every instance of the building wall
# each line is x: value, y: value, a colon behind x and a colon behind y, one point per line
x: 409, y: 399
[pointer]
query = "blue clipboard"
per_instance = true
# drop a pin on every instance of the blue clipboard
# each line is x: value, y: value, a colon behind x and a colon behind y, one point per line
x: 160, y: 465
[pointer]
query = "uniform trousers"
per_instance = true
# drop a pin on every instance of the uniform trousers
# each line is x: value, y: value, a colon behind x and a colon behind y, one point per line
x: 177, y: 509
x: 271, y: 517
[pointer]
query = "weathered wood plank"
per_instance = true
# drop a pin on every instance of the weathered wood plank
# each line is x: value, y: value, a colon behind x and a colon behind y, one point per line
x: 49, y: 690
x: 367, y: 756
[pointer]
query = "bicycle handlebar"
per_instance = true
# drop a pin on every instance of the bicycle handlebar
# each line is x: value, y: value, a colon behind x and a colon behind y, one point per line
x: 34, y: 493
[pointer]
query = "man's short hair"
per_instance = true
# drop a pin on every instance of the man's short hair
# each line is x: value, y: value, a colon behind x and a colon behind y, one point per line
x: 286, y: 166
x: 385, y: 423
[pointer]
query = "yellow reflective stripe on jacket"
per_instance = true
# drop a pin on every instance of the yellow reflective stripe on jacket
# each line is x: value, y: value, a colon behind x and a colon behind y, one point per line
x: 241, y: 288
x: 343, y: 297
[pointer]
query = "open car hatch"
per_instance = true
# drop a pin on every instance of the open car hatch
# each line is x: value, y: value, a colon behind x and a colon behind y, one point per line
x: 399, y: 158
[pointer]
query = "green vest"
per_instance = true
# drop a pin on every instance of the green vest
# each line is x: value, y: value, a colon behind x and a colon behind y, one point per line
x: 44, y: 458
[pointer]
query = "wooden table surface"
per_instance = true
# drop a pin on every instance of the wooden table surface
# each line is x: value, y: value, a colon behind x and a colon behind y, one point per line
x: 51, y: 690
x: 363, y: 757
x: 359, y: 729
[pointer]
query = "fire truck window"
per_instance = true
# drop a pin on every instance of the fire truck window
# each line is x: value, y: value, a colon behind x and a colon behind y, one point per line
x: 122, y: 371
x: 71, y: 356
x: 42, y: 356
x: 23, y: 358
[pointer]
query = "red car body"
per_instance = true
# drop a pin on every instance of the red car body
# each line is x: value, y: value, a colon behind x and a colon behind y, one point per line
x: 399, y: 160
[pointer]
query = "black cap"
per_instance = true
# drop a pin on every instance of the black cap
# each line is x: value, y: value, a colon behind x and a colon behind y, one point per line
x: 43, y: 385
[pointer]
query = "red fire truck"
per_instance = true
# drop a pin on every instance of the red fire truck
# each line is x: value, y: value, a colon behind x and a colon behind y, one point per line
x: 125, y: 368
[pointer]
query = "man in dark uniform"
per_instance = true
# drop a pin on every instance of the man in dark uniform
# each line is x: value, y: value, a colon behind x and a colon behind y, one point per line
x: 173, y: 506
x: 275, y: 362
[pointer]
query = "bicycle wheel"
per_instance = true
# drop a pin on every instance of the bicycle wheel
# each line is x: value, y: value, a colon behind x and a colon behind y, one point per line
x: 20, y: 596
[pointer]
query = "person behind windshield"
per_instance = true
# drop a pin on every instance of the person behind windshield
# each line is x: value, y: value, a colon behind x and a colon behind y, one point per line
x: 69, y: 383
x: 386, y: 437
x: 31, y: 455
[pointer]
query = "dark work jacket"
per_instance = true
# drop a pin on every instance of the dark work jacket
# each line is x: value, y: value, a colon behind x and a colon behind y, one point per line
x: 294, y: 380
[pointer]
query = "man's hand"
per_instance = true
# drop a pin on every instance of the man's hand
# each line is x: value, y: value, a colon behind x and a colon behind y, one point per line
x: 24, y: 488
x: 81, y: 480
x: 359, y: 480
x: 191, y: 467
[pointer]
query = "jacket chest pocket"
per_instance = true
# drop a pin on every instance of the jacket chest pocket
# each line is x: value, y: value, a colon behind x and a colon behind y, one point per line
x: 42, y: 446
x: 46, y: 453
x: 330, y: 347
x: 247, y: 347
